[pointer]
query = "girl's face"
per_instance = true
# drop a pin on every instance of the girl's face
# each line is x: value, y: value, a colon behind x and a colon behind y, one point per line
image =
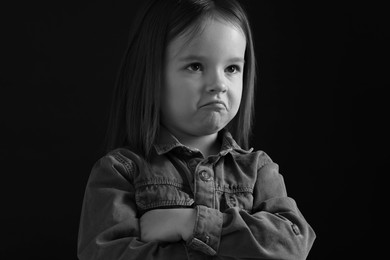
x: 203, y: 80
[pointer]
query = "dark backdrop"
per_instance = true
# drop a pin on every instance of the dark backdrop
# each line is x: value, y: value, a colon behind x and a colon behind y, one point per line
x: 320, y: 115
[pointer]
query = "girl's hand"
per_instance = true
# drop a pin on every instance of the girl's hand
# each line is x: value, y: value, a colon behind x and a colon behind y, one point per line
x: 167, y: 225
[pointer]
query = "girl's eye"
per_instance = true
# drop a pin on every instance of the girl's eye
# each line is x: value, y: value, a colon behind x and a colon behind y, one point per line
x: 233, y: 69
x: 195, y: 67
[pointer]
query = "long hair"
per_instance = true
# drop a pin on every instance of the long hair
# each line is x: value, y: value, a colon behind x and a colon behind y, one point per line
x: 135, y: 114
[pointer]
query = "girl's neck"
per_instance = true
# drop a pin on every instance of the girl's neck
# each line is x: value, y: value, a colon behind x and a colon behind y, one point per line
x: 207, y: 144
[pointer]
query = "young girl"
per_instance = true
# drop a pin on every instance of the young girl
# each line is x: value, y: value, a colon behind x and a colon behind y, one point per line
x: 179, y: 181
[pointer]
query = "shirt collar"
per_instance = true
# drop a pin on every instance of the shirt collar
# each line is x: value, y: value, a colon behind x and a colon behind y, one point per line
x: 229, y: 144
x: 167, y: 141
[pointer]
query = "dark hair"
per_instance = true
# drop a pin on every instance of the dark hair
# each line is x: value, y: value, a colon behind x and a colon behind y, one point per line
x: 135, y: 115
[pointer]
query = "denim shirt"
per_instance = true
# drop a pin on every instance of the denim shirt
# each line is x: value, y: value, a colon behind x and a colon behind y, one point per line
x: 242, y: 207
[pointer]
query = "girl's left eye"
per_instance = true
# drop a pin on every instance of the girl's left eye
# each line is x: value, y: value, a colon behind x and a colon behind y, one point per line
x: 233, y: 69
x: 195, y: 67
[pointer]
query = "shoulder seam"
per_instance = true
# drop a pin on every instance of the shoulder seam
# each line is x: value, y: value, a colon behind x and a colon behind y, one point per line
x: 126, y: 162
x: 263, y: 159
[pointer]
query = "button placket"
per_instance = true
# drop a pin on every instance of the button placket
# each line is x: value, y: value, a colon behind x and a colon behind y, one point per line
x: 204, y: 186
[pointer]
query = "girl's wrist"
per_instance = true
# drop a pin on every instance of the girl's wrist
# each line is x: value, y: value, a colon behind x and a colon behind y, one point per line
x: 187, y: 223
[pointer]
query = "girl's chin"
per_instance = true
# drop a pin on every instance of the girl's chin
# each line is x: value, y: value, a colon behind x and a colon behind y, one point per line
x: 212, y: 123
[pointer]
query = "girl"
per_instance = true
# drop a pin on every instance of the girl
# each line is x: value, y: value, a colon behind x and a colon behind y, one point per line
x: 179, y: 181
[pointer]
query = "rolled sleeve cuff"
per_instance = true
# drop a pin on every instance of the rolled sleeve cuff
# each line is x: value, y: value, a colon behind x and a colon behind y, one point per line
x: 207, y: 230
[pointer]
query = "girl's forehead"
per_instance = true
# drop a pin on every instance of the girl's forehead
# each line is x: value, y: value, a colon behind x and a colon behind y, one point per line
x: 197, y: 28
x: 209, y: 32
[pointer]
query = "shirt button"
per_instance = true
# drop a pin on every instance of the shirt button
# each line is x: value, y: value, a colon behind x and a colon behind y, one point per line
x: 205, y: 176
x: 296, y: 230
x: 207, y: 239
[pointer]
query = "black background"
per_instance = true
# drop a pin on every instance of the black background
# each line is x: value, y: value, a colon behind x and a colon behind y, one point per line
x: 319, y: 114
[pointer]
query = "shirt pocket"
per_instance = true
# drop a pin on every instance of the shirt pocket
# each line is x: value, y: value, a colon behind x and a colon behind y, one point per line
x: 155, y: 195
x: 242, y: 200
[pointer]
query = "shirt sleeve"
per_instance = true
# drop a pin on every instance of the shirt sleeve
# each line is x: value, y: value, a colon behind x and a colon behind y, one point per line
x: 275, y: 229
x: 109, y: 227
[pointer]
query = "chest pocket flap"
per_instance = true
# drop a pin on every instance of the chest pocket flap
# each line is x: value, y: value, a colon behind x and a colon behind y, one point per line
x: 163, y: 193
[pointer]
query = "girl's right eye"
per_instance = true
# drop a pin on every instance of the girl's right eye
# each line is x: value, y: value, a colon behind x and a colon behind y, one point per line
x: 196, y: 67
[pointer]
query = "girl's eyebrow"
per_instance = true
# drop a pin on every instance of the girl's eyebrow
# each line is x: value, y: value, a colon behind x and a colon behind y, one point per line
x: 199, y: 57
x: 192, y: 57
x: 237, y: 59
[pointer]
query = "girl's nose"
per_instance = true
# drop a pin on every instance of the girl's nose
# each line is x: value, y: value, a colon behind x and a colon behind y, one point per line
x: 216, y: 85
